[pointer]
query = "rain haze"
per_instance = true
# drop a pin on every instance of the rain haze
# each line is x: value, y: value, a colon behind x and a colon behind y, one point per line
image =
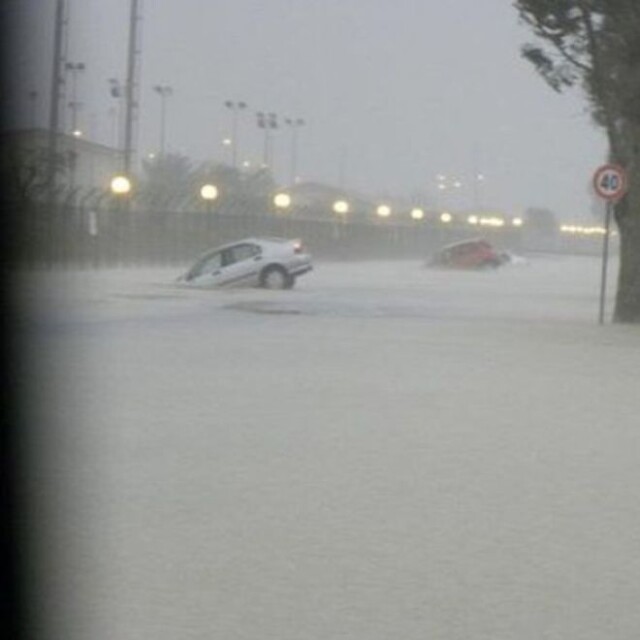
x: 392, y: 95
x: 252, y: 416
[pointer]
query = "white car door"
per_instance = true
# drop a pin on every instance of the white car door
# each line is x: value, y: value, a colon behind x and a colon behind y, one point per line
x: 241, y: 265
x: 208, y: 273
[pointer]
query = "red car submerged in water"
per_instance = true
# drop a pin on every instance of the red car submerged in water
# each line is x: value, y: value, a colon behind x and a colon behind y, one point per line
x: 468, y: 254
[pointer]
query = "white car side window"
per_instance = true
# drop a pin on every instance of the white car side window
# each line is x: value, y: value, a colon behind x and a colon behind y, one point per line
x: 211, y: 263
x: 244, y: 252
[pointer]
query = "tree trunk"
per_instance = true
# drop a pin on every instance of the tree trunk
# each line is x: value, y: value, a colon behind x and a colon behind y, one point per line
x: 627, y: 307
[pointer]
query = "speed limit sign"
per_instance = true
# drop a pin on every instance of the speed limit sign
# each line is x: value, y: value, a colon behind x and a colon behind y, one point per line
x: 610, y: 182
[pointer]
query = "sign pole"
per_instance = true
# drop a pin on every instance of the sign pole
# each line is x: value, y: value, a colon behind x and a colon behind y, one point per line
x: 605, y: 261
x: 610, y: 183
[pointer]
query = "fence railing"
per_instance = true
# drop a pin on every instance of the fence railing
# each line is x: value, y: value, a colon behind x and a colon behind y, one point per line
x: 120, y: 237
x: 83, y: 236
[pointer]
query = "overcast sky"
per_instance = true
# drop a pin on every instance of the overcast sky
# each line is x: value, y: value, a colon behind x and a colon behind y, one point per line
x: 392, y: 93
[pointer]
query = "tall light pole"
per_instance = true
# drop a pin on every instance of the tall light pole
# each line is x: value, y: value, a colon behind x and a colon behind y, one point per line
x: 57, y: 83
x: 131, y: 84
x: 164, y: 91
x: 295, y: 124
x: 268, y: 122
x: 117, y: 91
x: 478, y: 179
x: 235, y: 107
x: 478, y: 176
x: 73, y: 69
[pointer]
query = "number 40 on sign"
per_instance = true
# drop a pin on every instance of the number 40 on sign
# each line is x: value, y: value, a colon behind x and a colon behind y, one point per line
x: 610, y: 182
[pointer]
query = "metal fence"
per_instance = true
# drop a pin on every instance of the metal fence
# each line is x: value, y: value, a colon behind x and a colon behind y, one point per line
x: 122, y: 236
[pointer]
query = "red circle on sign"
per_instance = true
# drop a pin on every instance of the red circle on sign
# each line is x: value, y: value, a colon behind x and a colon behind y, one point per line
x: 610, y: 181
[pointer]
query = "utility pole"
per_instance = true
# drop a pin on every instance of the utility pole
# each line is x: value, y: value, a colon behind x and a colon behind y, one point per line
x: 57, y: 84
x: 74, y: 68
x: 117, y: 91
x: 131, y: 87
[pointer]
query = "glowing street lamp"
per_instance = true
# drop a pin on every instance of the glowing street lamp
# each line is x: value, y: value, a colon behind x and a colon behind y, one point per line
x: 282, y: 201
x: 383, y: 211
x: 120, y: 186
x: 473, y: 220
x: 517, y: 222
x: 341, y: 207
x: 446, y: 217
x: 208, y: 193
x: 417, y: 213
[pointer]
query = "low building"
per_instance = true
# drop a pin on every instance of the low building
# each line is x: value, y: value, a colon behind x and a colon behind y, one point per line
x: 82, y: 166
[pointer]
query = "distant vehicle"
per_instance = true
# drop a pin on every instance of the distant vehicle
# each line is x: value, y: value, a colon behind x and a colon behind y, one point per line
x: 468, y: 254
x: 508, y: 257
x: 271, y: 263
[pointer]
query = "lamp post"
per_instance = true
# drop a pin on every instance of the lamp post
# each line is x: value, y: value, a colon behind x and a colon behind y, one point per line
x: 294, y: 124
x: 74, y: 68
x: 341, y: 208
x: 478, y: 179
x: 120, y: 188
x: 164, y: 91
x: 268, y: 122
x: 209, y: 193
x: 117, y: 91
x: 282, y: 202
x: 235, y: 106
x: 446, y: 185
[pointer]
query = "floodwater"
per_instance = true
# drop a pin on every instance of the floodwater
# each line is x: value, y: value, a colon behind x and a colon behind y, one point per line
x: 384, y: 452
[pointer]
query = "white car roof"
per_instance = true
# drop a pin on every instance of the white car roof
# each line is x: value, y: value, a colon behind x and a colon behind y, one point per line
x: 252, y: 240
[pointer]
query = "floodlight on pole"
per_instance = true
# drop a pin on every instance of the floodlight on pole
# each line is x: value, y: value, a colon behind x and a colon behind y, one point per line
x: 164, y: 91
x: 267, y: 122
x: 294, y: 124
x: 236, y: 106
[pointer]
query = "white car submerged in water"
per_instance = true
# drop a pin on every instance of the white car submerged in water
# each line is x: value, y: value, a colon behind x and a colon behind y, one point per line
x: 272, y: 263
